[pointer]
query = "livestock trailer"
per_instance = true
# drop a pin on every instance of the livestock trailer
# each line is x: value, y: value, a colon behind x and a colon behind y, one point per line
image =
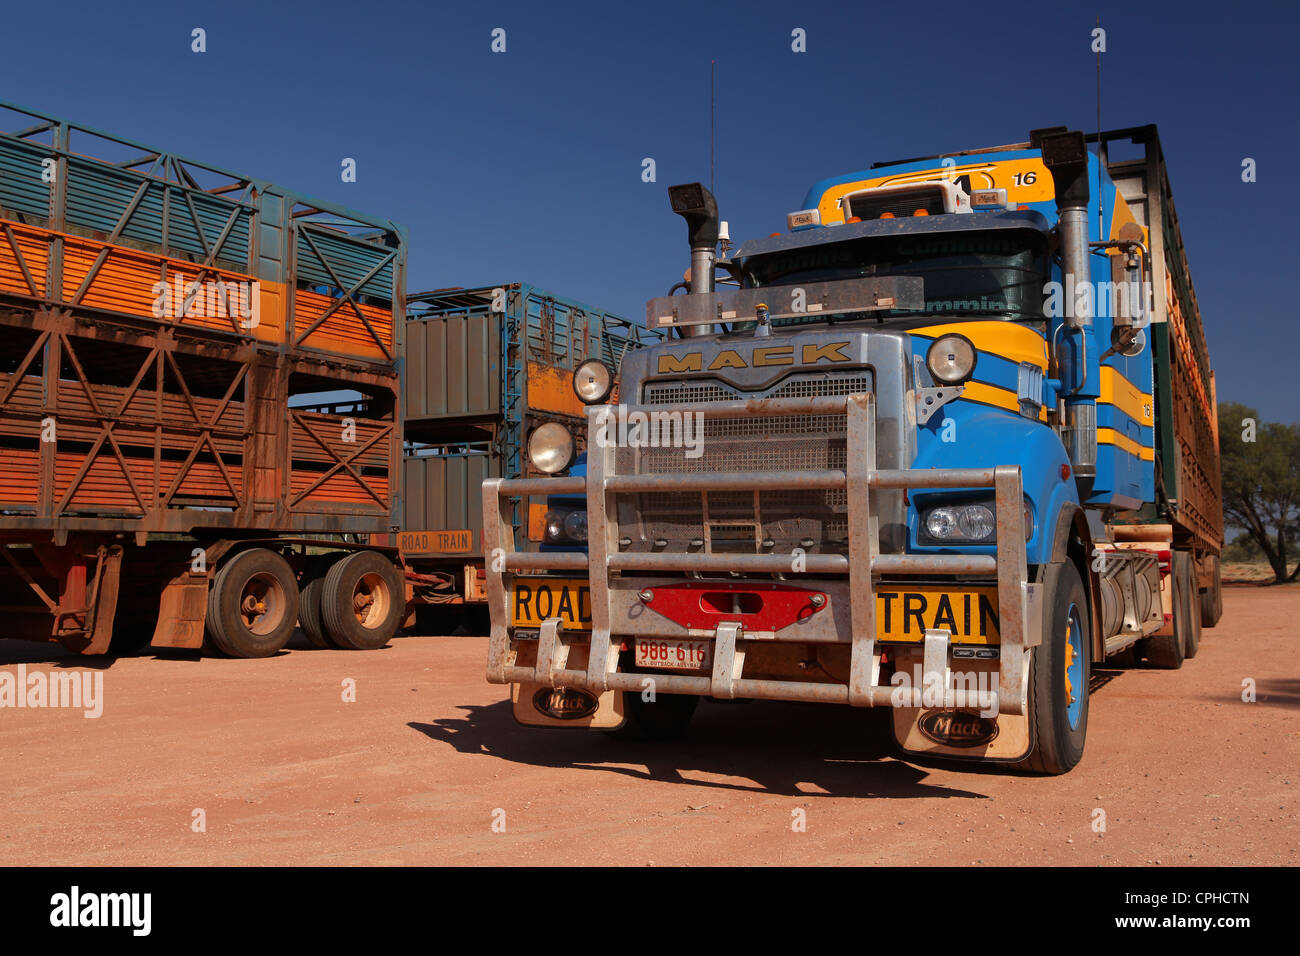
x: 165, y: 329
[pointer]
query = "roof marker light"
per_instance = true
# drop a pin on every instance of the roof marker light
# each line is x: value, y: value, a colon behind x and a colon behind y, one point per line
x: 989, y: 199
x: 803, y: 219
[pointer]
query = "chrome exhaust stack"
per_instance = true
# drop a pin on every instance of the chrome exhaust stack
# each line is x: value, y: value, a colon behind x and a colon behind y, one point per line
x: 1065, y: 154
x: 697, y: 206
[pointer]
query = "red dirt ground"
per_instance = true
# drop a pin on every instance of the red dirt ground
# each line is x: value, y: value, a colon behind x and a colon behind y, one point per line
x: 286, y: 772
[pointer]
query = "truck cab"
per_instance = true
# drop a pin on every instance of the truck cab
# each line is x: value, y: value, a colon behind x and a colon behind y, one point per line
x: 903, y: 455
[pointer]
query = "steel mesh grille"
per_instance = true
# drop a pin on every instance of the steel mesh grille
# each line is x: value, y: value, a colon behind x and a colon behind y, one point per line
x: 749, y: 521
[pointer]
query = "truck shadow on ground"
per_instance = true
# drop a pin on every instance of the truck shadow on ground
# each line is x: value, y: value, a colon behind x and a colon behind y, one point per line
x: 1279, y: 693
x: 803, y: 750
x: 15, y: 652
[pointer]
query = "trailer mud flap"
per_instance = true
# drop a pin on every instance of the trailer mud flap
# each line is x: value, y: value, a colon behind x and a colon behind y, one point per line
x: 537, y: 705
x: 182, y: 611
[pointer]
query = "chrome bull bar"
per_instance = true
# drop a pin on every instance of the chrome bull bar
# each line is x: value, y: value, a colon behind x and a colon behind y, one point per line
x: 1018, y: 611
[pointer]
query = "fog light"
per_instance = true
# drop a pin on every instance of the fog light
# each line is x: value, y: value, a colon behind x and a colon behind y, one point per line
x: 951, y: 359
x: 550, y: 448
x: 593, y: 380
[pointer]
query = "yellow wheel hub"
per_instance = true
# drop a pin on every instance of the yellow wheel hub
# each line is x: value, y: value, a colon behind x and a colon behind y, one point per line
x: 1069, y: 661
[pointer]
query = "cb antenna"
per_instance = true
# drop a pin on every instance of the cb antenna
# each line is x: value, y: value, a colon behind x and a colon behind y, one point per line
x: 1101, y: 200
x: 713, y: 67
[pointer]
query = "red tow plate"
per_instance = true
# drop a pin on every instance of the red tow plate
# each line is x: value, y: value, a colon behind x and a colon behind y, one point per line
x: 703, y: 605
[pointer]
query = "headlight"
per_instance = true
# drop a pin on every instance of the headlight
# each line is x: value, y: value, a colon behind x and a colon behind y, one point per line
x: 592, y: 381
x: 575, y: 525
x: 563, y: 527
x: 550, y: 448
x: 951, y: 359
x: 969, y: 523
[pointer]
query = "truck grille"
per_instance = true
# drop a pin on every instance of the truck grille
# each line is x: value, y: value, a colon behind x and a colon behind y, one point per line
x: 742, y: 522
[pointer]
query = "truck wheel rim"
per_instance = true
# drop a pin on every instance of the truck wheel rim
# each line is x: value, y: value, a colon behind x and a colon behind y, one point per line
x: 371, y: 600
x: 261, y: 604
x: 1074, y: 687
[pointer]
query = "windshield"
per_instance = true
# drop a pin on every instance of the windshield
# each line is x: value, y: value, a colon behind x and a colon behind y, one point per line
x: 999, y: 272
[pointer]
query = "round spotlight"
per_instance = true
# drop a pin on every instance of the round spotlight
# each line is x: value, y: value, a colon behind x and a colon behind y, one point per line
x: 593, y: 380
x: 550, y: 448
x: 951, y: 359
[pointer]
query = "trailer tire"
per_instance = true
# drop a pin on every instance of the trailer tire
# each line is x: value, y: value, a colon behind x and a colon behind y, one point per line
x: 363, y: 601
x: 253, y: 604
x: 1212, y: 597
x: 313, y: 583
x: 1168, y: 651
x: 1058, y: 715
x: 1192, y: 633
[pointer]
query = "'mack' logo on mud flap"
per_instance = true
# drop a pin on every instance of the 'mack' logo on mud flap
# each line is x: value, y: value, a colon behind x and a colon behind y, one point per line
x: 956, y: 728
x: 565, y: 703
x: 758, y: 358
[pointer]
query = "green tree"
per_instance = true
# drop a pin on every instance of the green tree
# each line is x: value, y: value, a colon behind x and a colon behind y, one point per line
x: 1261, y: 482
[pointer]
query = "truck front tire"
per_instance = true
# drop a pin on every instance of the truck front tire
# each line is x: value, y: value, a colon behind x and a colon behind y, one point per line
x: 664, y: 718
x: 1059, y: 671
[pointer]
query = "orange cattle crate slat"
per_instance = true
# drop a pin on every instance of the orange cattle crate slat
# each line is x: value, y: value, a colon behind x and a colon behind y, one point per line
x: 343, y: 331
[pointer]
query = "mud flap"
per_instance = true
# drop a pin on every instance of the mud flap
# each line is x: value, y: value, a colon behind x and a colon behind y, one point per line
x: 182, y: 612
x: 537, y: 705
x: 962, y: 733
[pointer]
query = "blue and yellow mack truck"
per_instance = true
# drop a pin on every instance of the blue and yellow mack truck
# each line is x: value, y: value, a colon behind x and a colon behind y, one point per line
x: 943, y: 447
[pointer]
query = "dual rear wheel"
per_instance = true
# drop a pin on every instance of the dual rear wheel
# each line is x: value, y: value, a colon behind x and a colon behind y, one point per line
x: 353, y: 601
x: 1170, y: 650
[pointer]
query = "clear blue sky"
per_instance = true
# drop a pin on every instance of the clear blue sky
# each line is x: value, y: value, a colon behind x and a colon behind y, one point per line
x: 526, y: 166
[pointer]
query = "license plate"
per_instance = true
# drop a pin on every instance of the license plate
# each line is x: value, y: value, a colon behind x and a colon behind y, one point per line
x: 673, y: 655
x: 970, y: 615
x: 533, y: 600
